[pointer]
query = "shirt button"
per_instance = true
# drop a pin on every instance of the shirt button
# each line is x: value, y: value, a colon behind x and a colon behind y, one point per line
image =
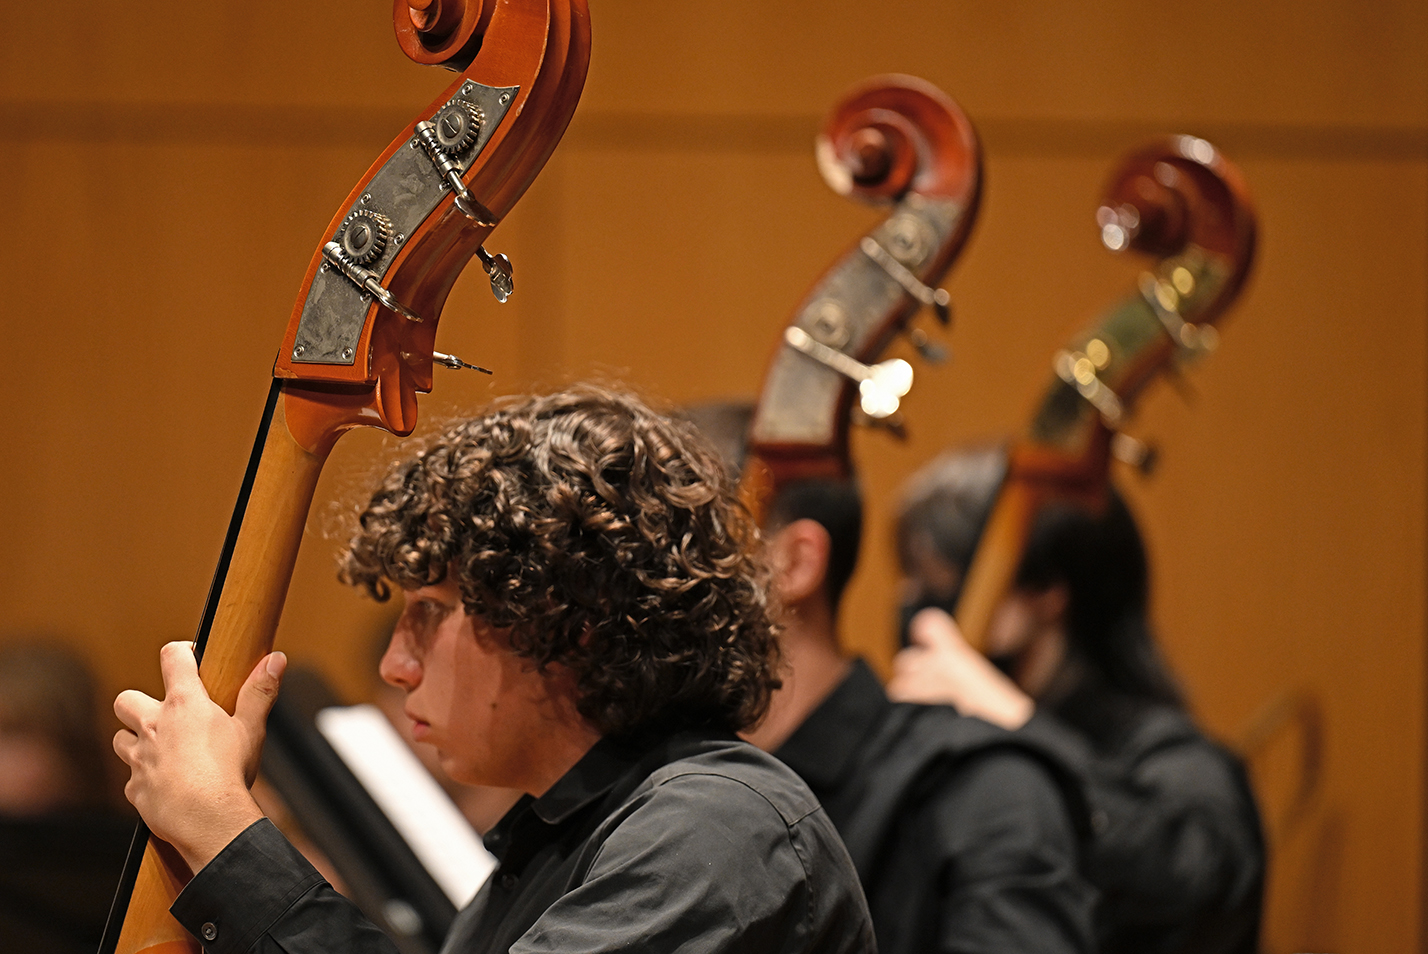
x: 209, y: 931
x: 508, y: 881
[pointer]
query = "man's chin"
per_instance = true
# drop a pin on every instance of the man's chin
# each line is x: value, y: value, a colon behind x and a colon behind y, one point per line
x: 458, y: 771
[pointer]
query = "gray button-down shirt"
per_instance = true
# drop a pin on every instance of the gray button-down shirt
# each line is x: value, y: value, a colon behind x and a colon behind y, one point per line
x: 696, y: 842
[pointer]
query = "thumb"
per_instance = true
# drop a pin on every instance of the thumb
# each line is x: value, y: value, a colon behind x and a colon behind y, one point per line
x: 259, y: 692
x: 933, y: 628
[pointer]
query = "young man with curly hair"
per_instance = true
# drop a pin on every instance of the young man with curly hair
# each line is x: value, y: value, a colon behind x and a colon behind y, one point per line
x: 584, y: 621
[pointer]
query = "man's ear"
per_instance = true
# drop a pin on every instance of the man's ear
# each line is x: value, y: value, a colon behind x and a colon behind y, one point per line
x: 798, y: 554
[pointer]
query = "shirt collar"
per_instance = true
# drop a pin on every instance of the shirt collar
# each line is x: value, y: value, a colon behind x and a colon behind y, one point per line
x: 588, y: 779
x: 610, y: 764
x: 594, y: 775
x: 822, y: 749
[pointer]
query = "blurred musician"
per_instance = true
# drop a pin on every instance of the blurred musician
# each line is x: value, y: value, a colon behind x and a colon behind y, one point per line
x: 52, y: 756
x: 964, y: 836
x: 62, y: 839
x: 1178, y: 853
x: 584, y: 621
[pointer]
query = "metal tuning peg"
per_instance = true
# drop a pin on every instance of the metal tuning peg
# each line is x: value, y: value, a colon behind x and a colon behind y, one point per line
x: 1079, y: 370
x: 932, y: 352
x: 365, y: 280
x: 429, y: 136
x: 935, y: 298
x: 498, y: 267
x: 455, y: 363
x: 881, y: 386
x: 1164, y: 295
x: 1141, y: 455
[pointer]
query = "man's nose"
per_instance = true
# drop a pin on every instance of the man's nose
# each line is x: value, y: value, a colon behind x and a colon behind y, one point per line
x: 399, y: 666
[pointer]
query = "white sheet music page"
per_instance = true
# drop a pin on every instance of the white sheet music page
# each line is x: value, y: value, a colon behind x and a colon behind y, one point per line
x: 418, y: 808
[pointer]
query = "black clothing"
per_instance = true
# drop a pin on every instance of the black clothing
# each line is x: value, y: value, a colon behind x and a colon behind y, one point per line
x: 57, y: 878
x: 1179, y: 855
x: 697, y: 842
x: 963, y: 834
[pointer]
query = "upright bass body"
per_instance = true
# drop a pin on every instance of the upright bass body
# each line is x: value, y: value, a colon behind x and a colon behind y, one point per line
x: 359, y: 345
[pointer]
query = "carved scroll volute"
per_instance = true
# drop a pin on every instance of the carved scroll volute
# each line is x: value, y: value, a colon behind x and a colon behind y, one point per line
x: 893, y: 140
x: 517, y: 94
x: 1184, y: 194
x: 441, y: 32
x: 1182, y: 203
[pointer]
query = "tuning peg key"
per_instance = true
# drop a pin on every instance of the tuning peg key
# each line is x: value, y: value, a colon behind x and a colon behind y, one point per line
x: 1141, y: 455
x: 455, y: 363
x: 365, y: 280
x: 881, y: 386
x: 498, y: 267
x: 937, y: 299
x: 933, y: 352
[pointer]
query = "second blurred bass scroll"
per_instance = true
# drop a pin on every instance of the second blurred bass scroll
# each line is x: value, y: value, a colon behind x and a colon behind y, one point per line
x: 1180, y: 201
x: 893, y: 140
x: 359, y: 345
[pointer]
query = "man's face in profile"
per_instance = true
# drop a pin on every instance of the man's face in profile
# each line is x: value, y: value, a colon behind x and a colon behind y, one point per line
x: 484, y: 708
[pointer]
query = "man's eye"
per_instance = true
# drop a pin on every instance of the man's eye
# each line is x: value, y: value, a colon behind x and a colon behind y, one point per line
x: 427, y: 614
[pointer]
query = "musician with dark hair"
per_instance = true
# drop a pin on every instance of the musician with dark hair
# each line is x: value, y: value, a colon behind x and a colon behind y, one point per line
x: 1178, y: 854
x: 585, y: 619
x: 966, y: 837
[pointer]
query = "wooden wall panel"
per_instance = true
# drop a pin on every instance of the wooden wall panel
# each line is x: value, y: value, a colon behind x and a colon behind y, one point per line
x: 166, y: 181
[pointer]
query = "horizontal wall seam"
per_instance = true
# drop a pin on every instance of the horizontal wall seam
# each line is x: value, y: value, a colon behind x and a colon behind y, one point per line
x: 610, y: 131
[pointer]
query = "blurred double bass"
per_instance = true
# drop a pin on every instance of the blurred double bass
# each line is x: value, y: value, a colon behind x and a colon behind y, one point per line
x: 359, y: 345
x: 892, y: 140
x: 1182, y: 203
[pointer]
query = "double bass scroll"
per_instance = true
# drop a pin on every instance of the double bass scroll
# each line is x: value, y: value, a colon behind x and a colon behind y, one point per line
x: 895, y: 141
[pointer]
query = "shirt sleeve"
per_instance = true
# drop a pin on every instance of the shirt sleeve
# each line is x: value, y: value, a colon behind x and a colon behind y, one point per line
x: 1013, y: 881
x: 701, y: 863
x: 260, y: 895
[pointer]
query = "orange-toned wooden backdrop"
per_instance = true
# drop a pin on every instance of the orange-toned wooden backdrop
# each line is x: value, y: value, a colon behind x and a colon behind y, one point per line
x: 164, y: 174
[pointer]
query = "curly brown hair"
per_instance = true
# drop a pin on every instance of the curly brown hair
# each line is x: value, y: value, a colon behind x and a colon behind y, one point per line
x: 605, y: 537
